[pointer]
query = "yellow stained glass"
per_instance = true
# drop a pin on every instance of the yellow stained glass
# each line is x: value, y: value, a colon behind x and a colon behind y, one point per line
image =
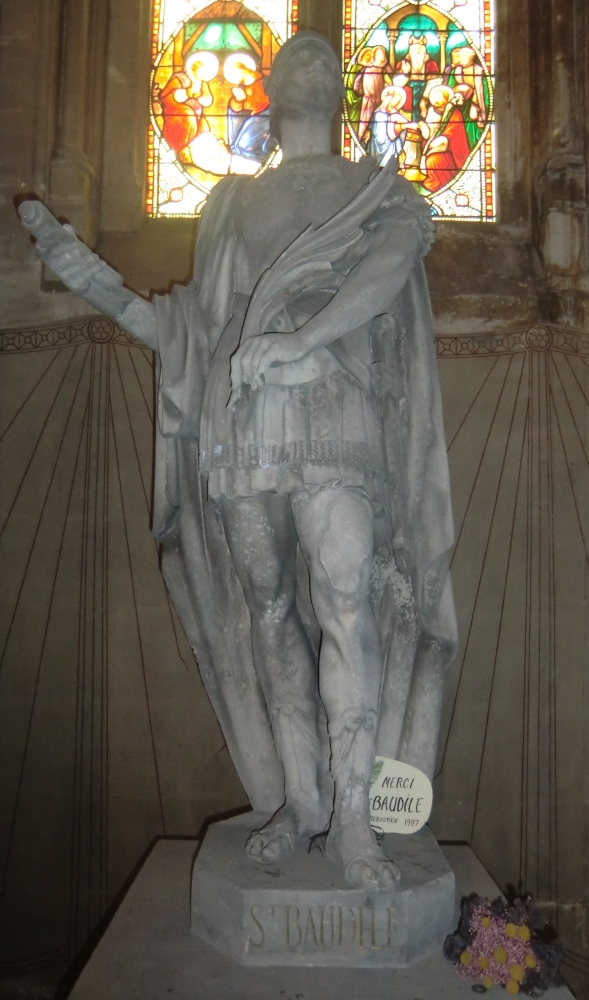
x: 420, y: 86
x: 209, y: 112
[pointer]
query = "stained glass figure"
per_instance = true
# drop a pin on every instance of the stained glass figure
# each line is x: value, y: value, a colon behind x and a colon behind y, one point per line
x: 419, y: 87
x: 209, y: 111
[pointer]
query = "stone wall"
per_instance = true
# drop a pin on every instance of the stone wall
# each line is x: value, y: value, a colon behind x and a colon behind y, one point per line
x: 107, y: 739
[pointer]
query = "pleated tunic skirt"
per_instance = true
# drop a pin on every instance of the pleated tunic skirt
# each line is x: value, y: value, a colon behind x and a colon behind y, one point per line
x: 283, y: 438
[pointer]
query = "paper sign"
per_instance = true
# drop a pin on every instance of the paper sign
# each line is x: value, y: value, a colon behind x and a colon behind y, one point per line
x: 401, y: 797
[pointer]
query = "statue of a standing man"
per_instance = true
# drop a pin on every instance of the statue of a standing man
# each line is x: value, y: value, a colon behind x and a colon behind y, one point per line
x: 301, y: 492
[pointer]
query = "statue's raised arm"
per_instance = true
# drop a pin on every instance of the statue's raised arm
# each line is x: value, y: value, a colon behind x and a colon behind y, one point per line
x: 84, y: 273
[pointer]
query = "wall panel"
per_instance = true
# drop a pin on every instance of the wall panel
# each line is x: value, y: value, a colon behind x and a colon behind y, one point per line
x: 512, y: 770
x: 107, y: 739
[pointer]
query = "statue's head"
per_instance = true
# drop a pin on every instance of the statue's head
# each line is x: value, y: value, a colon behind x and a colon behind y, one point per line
x: 305, y: 79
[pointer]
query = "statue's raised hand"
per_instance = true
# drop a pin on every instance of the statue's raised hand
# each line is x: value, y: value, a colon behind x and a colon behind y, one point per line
x: 66, y: 255
x: 84, y: 273
x: 77, y: 265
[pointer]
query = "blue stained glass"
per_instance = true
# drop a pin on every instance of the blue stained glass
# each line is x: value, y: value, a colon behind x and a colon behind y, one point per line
x: 379, y: 37
x: 209, y: 110
x: 419, y: 88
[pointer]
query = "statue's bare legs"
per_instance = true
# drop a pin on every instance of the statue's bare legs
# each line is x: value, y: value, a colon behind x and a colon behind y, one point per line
x: 263, y: 543
x: 334, y: 528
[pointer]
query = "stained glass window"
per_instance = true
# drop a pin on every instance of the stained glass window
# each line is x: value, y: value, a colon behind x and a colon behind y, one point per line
x: 419, y: 86
x: 209, y: 112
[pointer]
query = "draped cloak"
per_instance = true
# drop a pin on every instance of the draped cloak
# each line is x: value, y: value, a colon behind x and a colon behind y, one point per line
x: 411, y: 590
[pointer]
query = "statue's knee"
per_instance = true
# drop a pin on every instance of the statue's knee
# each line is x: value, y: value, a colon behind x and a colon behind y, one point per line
x: 346, y: 547
x: 269, y: 596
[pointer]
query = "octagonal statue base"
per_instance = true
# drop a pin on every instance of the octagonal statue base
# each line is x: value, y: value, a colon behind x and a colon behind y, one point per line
x: 300, y: 912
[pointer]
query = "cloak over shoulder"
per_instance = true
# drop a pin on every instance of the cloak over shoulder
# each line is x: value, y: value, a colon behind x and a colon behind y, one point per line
x: 411, y: 591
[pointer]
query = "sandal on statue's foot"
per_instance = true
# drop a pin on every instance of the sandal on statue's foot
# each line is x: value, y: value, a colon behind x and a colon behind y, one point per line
x: 353, y: 843
x: 288, y: 829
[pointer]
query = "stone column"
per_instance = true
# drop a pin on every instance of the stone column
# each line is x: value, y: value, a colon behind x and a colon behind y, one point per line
x: 561, y: 59
x: 77, y: 155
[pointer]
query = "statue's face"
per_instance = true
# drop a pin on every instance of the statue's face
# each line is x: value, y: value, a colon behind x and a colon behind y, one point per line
x: 306, y: 83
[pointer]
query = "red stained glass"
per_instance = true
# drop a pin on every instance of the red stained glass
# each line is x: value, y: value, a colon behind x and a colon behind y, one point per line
x: 420, y: 87
x: 209, y: 111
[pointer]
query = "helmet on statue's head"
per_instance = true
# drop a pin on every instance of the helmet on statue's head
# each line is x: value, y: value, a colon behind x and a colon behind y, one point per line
x: 305, y: 79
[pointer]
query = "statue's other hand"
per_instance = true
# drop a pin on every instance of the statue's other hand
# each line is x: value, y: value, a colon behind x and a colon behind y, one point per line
x: 252, y: 360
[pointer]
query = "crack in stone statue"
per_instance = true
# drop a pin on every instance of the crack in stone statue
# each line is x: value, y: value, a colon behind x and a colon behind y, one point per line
x: 301, y: 489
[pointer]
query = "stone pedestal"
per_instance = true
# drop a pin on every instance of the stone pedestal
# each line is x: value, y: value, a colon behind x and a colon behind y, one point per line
x: 301, y: 912
x: 148, y: 953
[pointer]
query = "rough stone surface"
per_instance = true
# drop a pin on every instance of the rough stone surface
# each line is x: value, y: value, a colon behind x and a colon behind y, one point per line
x: 149, y: 953
x: 300, y: 911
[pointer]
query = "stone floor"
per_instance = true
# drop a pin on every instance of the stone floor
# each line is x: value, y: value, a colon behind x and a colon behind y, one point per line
x: 148, y: 952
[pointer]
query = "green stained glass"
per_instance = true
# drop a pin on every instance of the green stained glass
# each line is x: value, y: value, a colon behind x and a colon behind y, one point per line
x: 255, y: 30
x: 222, y: 36
x: 419, y: 88
x: 209, y: 109
x: 413, y: 27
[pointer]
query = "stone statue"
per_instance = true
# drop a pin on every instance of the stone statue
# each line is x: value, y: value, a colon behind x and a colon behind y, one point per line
x: 302, y: 497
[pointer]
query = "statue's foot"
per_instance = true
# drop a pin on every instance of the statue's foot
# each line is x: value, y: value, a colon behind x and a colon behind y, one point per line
x: 353, y: 843
x: 289, y: 828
